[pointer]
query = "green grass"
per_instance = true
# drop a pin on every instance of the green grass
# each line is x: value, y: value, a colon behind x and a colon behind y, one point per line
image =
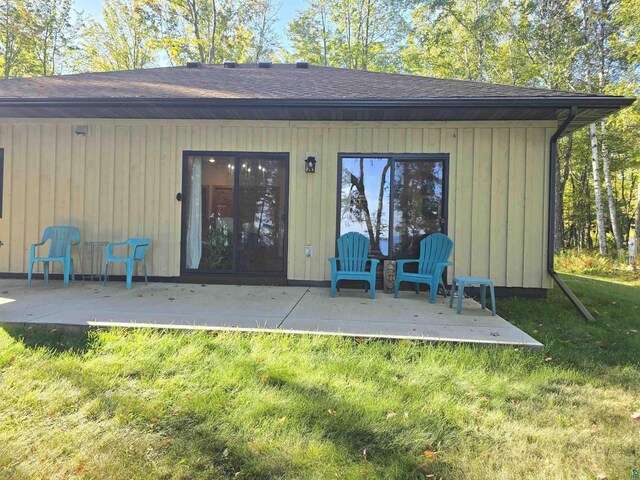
x: 193, y: 405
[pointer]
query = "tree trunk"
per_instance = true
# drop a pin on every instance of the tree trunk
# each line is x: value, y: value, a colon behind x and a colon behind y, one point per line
x: 597, y: 190
x: 638, y: 218
x: 613, y: 208
x: 562, y: 176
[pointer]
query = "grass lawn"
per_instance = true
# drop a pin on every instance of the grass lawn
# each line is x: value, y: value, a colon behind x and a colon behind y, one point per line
x: 159, y: 404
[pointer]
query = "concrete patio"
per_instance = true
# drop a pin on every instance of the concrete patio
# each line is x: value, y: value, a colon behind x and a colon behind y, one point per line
x: 282, y: 309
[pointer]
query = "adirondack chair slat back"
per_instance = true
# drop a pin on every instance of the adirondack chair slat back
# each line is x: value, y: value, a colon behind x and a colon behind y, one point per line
x: 434, y: 249
x: 138, y: 253
x: 60, y: 237
x: 353, y: 251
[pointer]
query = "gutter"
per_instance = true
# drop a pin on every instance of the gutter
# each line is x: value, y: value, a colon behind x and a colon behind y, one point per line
x: 553, y: 155
x: 615, y: 102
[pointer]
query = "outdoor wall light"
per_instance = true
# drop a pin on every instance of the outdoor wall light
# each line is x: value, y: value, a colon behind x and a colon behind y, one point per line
x: 310, y: 165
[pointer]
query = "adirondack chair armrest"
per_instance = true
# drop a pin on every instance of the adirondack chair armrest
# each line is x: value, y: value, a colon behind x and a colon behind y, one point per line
x: 374, y: 263
x: 440, y: 266
x: 401, y: 263
x: 334, y: 262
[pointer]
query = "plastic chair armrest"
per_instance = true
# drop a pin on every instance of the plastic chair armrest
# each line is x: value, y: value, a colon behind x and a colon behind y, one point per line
x: 134, y: 250
x: 374, y: 263
x: 109, y: 249
x: 401, y: 263
x: 32, y: 250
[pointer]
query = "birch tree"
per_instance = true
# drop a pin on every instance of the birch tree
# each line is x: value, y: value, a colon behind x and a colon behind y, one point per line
x: 359, y: 34
x: 123, y: 40
x: 52, y: 33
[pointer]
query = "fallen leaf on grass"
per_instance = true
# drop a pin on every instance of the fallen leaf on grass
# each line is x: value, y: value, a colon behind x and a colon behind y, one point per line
x: 332, y: 413
x: 391, y: 415
x: 282, y: 420
x: 80, y: 470
x: 359, y: 340
x: 165, y: 441
x: 12, y: 359
x: 548, y: 359
x: 430, y: 454
x: 635, y: 416
x: 264, y: 378
x: 632, y: 331
x: 154, y: 420
x: 364, y: 454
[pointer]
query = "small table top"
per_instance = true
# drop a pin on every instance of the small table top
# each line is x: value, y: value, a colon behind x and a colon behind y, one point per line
x: 480, y: 280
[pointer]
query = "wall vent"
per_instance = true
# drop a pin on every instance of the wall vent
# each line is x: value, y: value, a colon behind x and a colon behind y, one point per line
x: 302, y: 64
x: 230, y: 64
x: 264, y: 64
x: 81, y: 130
x: 193, y: 64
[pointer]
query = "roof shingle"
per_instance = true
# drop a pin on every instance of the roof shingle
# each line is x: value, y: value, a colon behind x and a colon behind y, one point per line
x: 247, y: 81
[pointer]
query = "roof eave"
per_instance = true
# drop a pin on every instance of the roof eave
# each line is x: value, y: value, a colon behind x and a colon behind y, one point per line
x: 468, y: 102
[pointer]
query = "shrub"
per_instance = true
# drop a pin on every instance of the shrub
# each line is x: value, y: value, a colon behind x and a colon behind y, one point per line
x: 588, y: 262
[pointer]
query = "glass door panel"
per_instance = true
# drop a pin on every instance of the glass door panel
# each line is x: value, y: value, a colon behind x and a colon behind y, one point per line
x: 235, y: 214
x: 261, y: 215
x: 365, y: 200
x: 211, y: 185
x: 395, y: 201
x: 417, y: 204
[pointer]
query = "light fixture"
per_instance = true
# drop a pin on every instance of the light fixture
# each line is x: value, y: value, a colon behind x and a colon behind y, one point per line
x: 310, y: 165
x: 212, y: 160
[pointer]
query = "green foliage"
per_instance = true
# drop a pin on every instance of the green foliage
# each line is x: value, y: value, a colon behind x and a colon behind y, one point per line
x: 360, y: 34
x: 587, y: 262
x: 142, y: 403
x: 218, y: 250
x: 123, y: 40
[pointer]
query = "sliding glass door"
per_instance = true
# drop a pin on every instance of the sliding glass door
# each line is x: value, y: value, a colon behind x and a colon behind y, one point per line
x: 235, y: 214
x: 395, y: 200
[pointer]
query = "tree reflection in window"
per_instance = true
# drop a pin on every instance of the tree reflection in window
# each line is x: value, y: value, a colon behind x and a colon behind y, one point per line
x: 376, y: 191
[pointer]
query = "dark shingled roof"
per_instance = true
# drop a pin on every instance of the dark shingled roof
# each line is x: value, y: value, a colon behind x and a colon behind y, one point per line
x: 248, y: 81
x: 287, y: 92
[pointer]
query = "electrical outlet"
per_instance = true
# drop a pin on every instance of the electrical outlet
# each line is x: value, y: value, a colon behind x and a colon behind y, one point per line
x: 308, y: 251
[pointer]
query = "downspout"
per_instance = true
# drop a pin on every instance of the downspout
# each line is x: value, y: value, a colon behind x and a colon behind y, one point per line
x: 553, y: 150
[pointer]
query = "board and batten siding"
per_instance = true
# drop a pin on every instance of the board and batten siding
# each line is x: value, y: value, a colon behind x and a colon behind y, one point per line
x: 121, y: 181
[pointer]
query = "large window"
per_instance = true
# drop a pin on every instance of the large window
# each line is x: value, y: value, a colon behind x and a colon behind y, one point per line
x: 394, y: 200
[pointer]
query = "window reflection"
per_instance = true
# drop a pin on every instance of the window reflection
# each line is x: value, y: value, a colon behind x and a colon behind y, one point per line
x: 379, y: 191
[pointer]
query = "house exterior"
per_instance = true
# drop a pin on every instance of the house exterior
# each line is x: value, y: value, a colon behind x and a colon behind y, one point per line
x: 209, y: 161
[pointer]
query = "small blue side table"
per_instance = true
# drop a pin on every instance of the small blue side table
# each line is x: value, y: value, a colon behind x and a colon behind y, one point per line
x: 461, y: 282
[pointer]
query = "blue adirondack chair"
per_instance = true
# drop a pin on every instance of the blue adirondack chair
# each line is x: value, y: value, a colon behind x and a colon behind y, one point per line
x: 137, y: 248
x: 61, y: 240
x: 434, y: 258
x: 351, y: 263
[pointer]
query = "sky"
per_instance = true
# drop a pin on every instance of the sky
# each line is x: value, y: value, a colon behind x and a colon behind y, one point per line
x: 286, y: 13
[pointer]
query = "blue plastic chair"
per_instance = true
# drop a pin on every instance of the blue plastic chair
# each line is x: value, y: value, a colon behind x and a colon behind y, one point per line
x: 434, y: 258
x: 61, y: 240
x: 137, y: 250
x: 351, y: 263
